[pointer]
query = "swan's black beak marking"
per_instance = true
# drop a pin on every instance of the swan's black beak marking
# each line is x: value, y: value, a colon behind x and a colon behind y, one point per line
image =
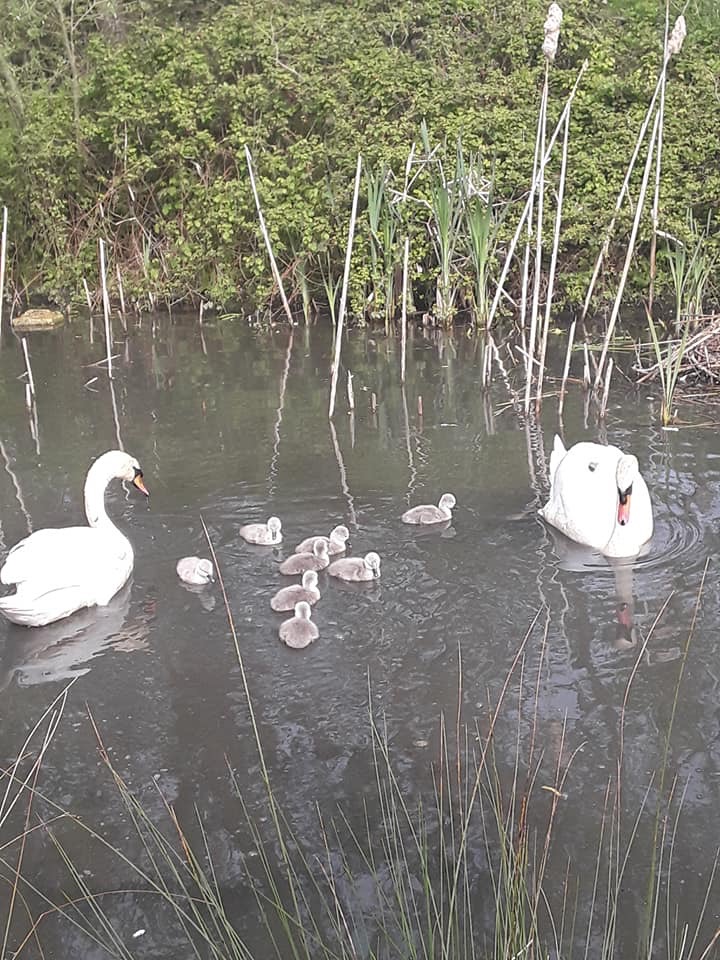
x: 624, y: 506
x: 139, y: 482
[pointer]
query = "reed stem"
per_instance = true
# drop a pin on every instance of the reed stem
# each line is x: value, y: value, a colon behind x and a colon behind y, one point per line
x: 3, y: 252
x: 566, y: 368
x: 553, y: 263
x: 266, y: 237
x: 28, y: 368
x: 403, y: 328
x: 538, y: 241
x: 529, y: 201
x: 628, y: 256
x: 343, y: 294
x: 106, y: 307
x: 606, y: 391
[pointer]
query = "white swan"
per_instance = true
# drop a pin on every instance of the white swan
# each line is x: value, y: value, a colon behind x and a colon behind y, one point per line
x: 429, y: 513
x: 59, y: 571
x: 336, y: 542
x: 356, y: 568
x: 264, y: 534
x: 599, y: 498
x: 195, y: 571
x: 299, y: 631
x: 317, y: 559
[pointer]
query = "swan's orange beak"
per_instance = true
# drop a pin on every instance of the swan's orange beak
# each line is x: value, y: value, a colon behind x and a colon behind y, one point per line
x: 624, y: 508
x: 140, y: 483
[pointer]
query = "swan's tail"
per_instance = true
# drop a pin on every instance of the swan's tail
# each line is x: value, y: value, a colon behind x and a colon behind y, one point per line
x: 558, y: 452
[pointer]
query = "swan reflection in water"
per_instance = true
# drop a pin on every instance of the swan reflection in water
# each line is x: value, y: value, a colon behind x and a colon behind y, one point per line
x: 64, y: 650
x: 578, y: 558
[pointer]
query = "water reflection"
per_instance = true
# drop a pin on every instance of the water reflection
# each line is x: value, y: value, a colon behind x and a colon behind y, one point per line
x: 235, y: 428
x: 64, y: 650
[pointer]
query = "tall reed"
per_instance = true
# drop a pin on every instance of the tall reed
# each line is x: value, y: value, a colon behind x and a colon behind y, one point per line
x: 344, y: 292
x: 106, y: 307
x: 266, y: 237
x: 3, y: 253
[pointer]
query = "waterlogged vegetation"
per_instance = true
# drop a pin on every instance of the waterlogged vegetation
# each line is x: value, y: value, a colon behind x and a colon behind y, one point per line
x: 128, y: 122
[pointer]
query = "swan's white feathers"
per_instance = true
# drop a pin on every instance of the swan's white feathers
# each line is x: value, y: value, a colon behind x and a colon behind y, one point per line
x: 583, y: 502
x: 67, y: 555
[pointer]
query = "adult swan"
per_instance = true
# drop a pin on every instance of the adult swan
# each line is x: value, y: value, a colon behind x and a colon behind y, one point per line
x: 598, y: 498
x: 60, y: 571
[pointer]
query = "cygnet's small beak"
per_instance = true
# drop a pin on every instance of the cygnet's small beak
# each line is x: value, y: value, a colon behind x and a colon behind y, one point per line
x: 624, y: 507
x: 140, y: 483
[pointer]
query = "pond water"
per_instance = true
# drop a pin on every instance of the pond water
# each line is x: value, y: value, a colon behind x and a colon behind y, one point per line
x: 230, y: 424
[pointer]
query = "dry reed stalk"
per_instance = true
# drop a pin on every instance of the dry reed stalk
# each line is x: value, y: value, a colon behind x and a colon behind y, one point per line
x: 566, y: 368
x: 343, y: 295
x: 606, y: 391
x: 3, y: 252
x: 106, y: 307
x: 88, y: 298
x: 538, y: 245
x: 373, y: 403
x: 403, y: 328
x: 528, y: 203
x: 549, y: 49
x: 350, y: 393
x: 266, y: 237
x: 628, y: 256
x: 28, y: 368
x: 674, y: 45
x: 586, y: 366
x: 553, y: 263
x: 121, y: 292
x: 420, y: 406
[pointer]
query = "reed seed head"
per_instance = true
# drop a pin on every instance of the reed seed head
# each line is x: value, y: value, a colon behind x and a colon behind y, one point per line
x: 675, y: 41
x: 552, y: 31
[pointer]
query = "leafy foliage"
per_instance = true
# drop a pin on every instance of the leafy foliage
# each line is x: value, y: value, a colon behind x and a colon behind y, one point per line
x: 168, y: 95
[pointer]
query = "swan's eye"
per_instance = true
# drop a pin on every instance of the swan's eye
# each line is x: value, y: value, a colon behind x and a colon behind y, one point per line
x: 591, y: 467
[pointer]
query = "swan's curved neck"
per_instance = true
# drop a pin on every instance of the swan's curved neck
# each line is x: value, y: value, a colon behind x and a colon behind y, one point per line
x: 99, y: 476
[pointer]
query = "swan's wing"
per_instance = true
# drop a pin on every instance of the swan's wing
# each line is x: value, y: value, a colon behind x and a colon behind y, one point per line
x: 425, y: 513
x: 558, y: 452
x: 56, y: 558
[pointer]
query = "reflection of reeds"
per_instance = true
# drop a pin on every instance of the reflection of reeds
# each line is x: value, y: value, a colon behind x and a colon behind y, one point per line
x: 403, y: 319
x: 272, y: 473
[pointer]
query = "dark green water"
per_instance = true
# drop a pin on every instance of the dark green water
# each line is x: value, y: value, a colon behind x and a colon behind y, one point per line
x: 231, y: 423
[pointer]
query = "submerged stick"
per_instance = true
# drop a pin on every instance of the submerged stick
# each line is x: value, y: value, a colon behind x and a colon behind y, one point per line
x: 566, y: 368
x: 343, y: 295
x: 106, y: 308
x: 403, y: 328
x: 606, y: 391
x: 350, y: 393
x: 3, y: 250
x: 28, y: 368
x: 266, y: 237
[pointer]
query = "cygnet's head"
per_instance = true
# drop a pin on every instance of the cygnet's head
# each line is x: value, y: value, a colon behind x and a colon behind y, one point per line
x: 447, y: 501
x: 205, y: 570
x: 372, y: 561
x: 274, y: 526
x: 320, y: 549
x: 302, y: 610
x: 340, y: 532
x: 310, y: 579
